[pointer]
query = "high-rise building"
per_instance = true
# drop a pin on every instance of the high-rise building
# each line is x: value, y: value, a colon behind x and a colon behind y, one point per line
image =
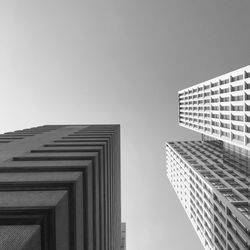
x: 60, y: 188
x: 219, y: 108
x: 211, y: 176
x: 123, y: 236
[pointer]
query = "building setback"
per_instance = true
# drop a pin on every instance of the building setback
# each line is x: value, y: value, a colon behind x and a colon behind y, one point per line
x: 211, y: 177
x: 60, y: 188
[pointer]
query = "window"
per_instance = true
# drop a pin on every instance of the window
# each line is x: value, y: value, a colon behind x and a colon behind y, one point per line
x: 237, y: 108
x: 225, y: 108
x: 224, y: 99
x: 217, y: 184
x: 224, y: 81
x: 230, y: 195
x: 237, y: 88
x: 236, y: 78
x: 238, y: 128
x: 244, y: 209
x: 237, y: 98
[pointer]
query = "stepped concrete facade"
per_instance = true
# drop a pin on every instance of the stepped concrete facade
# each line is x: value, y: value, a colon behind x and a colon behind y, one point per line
x: 60, y: 188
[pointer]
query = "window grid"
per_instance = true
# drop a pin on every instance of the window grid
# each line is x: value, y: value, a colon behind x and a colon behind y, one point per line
x: 192, y: 167
x: 219, y: 108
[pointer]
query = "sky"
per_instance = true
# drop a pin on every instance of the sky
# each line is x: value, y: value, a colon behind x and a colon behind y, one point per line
x: 121, y: 61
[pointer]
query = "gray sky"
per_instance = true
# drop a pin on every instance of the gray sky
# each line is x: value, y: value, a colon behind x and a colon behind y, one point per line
x: 121, y: 61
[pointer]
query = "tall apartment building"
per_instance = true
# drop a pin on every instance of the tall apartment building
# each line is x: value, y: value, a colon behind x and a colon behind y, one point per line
x: 212, y: 177
x: 60, y: 188
x: 123, y: 236
x: 219, y: 108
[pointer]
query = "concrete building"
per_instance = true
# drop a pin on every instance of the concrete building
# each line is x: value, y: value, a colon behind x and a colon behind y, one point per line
x: 211, y: 177
x: 60, y: 188
x: 123, y: 236
x: 219, y: 107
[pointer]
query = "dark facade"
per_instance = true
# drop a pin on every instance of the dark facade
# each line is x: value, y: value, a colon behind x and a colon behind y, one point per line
x: 60, y: 188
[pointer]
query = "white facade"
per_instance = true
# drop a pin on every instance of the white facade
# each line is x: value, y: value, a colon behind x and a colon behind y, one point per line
x: 219, y: 107
x: 212, y: 178
x: 213, y: 191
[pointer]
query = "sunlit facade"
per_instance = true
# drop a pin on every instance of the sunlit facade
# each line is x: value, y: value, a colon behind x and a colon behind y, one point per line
x: 219, y: 107
x: 213, y: 187
x: 211, y: 177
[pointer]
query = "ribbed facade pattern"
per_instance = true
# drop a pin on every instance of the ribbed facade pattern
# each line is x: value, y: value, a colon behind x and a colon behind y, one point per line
x: 65, y: 180
x: 219, y: 107
x: 212, y: 183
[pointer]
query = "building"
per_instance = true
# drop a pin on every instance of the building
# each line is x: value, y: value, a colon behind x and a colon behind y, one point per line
x: 123, y: 236
x: 60, y: 188
x: 211, y: 177
x: 212, y: 184
x: 219, y: 108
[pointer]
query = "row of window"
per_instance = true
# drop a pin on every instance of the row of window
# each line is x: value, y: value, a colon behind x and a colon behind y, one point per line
x: 194, y: 117
x: 221, y: 99
x: 223, y: 125
x: 218, y: 132
x: 199, y: 125
x: 222, y: 108
x: 220, y: 82
x: 214, y: 92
